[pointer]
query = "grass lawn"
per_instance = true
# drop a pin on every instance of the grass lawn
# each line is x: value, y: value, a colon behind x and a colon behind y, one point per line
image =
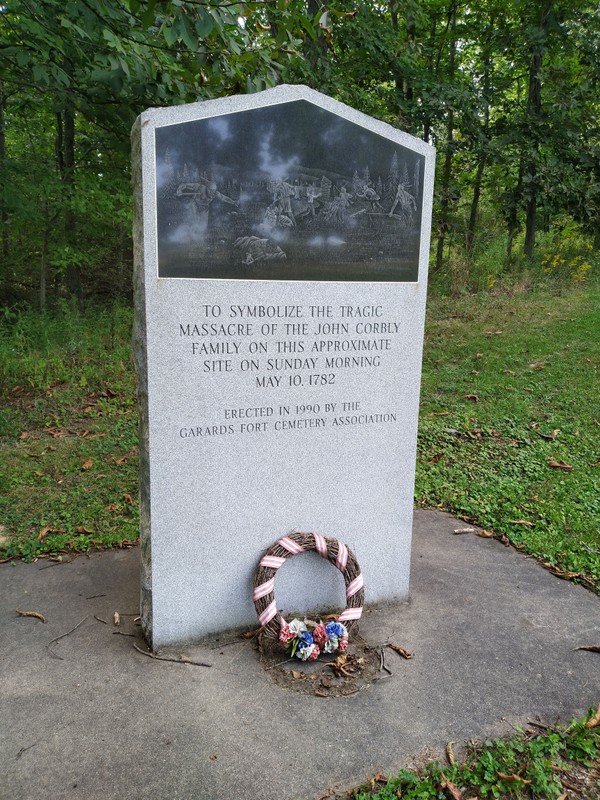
x: 510, y: 423
x: 68, y: 434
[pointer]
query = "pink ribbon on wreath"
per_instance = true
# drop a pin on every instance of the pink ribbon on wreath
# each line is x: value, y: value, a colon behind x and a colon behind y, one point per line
x: 264, y: 589
x: 349, y: 614
x: 342, y: 557
x: 290, y: 545
x: 354, y: 586
x: 321, y: 545
x: 268, y: 614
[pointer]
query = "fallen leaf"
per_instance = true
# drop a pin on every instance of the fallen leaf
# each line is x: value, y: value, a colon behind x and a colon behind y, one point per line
x: 549, y: 436
x: 213, y: 757
x: 509, y: 372
x: 458, y: 531
x: 402, y: 651
x: 513, y: 778
x: 116, y: 618
x: 537, y: 365
x: 295, y: 674
x: 326, y: 682
x: 485, y: 534
x: 379, y: 777
x: 123, y: 460
x: 593, y: 648
x: 250, y: 634
x: 35, y: 614
x: 321, y: 693
x: 563, y: 573
x: 112, y: 507
x: 505, y: 540
x: 38, y: 473
x: 478, y: 355
x: 83, y: 529
x: 128, y: 499
x: 24, y: 435
x: 522, y: 522
x: 472, y: 397
x: 452, y: 789
x: 436, y: 458
x: 185, y: 659
x: 87, y: 464
x: 438, y: 414
x: 559, y: 465
x: 450, y: 754
x: 48, y: 529
x: 593, y: 721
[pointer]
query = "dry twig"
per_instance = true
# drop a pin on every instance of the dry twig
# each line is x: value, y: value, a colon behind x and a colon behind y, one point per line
x: 169, y: 658
x: 62, y: 636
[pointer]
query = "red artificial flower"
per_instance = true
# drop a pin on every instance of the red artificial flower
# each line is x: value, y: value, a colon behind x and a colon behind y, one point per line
x: 320, y: 635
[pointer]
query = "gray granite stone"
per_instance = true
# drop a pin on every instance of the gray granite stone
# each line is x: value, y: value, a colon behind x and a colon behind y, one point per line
x: 281, y: 248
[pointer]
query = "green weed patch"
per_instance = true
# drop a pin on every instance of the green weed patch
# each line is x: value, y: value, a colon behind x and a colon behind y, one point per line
x: 68, y: 434
x: 529, y: 765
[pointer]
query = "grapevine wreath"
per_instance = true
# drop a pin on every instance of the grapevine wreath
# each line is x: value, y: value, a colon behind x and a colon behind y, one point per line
x: 306, y: 641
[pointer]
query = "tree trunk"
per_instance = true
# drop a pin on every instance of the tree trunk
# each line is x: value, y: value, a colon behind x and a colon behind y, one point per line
x: 427, y: 120
x: 534, y: 108
x: 66, y: 162
x: 447, y: 172
x: 316, y: 50
x: 470, y: 235
x: 6, y: 282
x: 44, y: 264
x: 403, y: 86
x: 513, y: 218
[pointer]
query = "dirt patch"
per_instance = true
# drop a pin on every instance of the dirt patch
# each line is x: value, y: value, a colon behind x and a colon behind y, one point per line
x: 333, y: 676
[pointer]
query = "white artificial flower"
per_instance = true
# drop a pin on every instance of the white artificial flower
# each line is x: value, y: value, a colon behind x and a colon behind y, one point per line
x: 297, y: 626
x: 331, y: 645
x: 304, y: 653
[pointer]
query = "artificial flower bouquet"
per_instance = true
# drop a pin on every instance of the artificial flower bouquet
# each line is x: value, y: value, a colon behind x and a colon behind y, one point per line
x: 306, y: 640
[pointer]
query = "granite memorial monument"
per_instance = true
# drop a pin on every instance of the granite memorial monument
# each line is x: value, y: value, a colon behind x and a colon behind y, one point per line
x: 281, y: 249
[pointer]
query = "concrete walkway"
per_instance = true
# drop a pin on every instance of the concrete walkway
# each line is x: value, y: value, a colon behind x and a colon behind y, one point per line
x: 493, y: 636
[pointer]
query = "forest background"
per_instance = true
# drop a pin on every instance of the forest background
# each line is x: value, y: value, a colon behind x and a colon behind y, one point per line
x: 506, y: 91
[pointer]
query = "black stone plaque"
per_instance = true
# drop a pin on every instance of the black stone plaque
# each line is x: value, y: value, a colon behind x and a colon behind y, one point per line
x: 286, y: 192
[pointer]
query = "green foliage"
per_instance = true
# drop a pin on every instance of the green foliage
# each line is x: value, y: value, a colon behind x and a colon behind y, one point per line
x: 508, y: 387
x: 68, y: 433
x: 524, y: 766
x: 507, y: 93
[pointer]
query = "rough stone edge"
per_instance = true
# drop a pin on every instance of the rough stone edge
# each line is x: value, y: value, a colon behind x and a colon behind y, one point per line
x: 160, y: 117
x: 140, y: 358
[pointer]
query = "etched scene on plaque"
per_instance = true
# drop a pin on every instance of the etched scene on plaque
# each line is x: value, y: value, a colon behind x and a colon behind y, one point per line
x: 286, y: 192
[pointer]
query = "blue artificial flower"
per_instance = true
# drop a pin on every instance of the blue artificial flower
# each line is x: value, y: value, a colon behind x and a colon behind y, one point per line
x: 305, y: 640
x: 335, y: 630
